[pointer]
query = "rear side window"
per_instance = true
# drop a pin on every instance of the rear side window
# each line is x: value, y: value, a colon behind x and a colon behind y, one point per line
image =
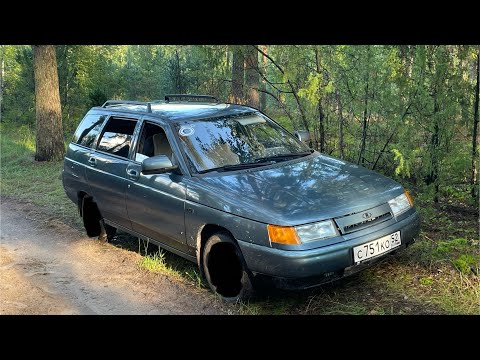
x: 88, y: 130
x: 117, y: 136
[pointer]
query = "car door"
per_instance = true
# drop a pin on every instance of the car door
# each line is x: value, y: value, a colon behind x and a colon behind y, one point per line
x: 78, y: 151
x: 107, y: 168
x: 156, y: 202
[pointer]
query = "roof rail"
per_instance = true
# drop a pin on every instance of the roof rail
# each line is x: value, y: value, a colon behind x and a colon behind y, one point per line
x: 186, y: 97
x: 127, y: 102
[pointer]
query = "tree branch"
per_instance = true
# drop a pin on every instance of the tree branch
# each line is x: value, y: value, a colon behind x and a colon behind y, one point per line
x: 292, y: 87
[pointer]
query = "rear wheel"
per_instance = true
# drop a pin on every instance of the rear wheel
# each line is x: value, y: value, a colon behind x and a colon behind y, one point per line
x: 107, y: 232
x: 93, y: 222
x: 225, y: 269
x: 91, y: 217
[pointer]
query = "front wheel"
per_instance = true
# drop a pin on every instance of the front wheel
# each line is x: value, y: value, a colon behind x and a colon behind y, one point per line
x: 224, y: 268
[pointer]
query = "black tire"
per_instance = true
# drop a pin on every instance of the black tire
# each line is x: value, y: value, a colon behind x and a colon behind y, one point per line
x: 225, y: 269
x: 93, y: 221
x: 91, y: 217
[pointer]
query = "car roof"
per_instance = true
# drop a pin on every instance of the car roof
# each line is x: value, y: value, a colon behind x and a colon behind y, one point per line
x: 178, y: 111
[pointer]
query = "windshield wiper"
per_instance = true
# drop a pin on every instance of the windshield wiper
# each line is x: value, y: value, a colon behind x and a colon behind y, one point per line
x: 237, y: 166
x: 283, y: 156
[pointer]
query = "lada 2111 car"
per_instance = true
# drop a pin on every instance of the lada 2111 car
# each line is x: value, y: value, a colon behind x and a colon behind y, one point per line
x: 227, y: 187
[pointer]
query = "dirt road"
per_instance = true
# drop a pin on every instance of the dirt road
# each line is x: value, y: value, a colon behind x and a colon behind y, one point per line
x: 47, y: 267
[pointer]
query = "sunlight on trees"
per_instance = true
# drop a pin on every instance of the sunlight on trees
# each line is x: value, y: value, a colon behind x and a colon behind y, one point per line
x: 406, y: 111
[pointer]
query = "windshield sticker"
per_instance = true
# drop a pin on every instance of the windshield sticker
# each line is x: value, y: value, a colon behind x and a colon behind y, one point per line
x: 186, y: 131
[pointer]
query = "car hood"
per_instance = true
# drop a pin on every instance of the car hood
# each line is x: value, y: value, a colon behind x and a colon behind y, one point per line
x: 300, y: 191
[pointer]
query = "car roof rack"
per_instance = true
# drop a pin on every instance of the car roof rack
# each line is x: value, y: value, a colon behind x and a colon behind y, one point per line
x: 190, y: 98
x: 168, y: 98
x: 110, y: 103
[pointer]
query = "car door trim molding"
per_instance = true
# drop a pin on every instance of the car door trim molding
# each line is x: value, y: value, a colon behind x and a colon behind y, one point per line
x: 156, y: 242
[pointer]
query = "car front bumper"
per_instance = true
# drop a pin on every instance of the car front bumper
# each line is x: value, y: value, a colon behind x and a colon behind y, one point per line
x: 307, y: 268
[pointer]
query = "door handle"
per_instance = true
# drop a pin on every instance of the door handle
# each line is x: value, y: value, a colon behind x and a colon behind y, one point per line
x: 92, y: 161
x: 132, y: 173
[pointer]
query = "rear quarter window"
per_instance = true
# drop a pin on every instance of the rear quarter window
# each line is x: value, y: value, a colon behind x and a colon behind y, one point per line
x: 117, y: 136
x: 88, y: 130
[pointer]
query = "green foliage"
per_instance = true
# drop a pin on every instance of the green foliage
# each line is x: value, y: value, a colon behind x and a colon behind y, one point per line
x: 417, y: 101
x: 426, y: 281
x: 97, y: 97
x: 459, y: 252
x: 467, y: 263
x: 452, y: 245
x: 403, y: 167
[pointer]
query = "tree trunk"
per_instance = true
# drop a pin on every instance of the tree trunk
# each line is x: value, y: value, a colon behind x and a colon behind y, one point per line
x: 473, y: 180
x: 321, y: 117
x: 263, y: 84
x: 340, y: 125
x: 178, y: 75
x: 434, y: 171
x: 321, y: 114
x: 227, y: 60
x: 237, y: 75
x: 361, y: 157
x: 432, y: 177
x: 2, y: 68
x: 251, y: 76
x: 49, y: 142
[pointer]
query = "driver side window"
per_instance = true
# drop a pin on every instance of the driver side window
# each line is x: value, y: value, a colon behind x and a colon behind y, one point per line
x: 153, y: 141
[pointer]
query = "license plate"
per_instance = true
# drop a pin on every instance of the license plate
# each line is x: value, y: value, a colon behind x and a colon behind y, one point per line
x: 376, y: 247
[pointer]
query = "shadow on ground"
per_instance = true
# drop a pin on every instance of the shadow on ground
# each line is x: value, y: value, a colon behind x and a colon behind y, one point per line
x: 359, y: 294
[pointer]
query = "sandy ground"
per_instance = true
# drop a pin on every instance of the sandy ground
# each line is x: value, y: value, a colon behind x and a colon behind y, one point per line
x: 47, y: 267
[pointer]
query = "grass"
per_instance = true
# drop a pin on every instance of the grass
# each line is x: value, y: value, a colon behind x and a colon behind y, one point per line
x: 156, y: 263
x: 156, y: 260
x: 37, y: 182
x: 439, y: 274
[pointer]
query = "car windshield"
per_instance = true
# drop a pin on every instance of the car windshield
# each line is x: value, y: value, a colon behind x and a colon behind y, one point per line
x: 223, y: 143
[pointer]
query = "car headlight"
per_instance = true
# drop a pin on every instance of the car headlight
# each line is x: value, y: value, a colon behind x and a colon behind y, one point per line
x: 400, y: 204
x: 295, y: 235
x: 316, y: 231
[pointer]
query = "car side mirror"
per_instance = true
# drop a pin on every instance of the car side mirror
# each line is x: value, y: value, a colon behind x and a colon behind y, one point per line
x: 303, y: 136
x: 158, y: 165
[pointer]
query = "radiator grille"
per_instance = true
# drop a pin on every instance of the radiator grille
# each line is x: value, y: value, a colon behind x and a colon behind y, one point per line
x: 364, y: 219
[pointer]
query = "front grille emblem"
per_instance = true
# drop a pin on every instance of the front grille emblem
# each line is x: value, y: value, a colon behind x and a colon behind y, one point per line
x: 367, y: 215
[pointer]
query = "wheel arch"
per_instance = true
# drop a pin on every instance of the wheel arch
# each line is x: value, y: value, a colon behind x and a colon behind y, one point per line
x: 204, y: 234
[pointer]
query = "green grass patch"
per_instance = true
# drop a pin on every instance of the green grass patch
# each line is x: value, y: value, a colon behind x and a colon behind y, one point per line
x: 38, y: 182
x: 157, y: 260
x: 172, y: 265
x: 445, y: 288
x: 467, y: 263
x: 425, y: 281
x: 156, y: 263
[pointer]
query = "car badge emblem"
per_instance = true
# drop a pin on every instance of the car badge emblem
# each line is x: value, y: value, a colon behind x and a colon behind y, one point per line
x: 367, y: 215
